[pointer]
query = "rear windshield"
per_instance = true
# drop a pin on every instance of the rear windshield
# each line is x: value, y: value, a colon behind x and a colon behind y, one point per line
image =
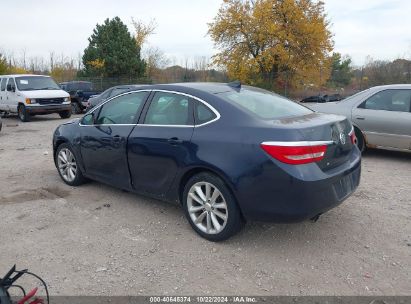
x: 264, y: 104
x: 36, y: 83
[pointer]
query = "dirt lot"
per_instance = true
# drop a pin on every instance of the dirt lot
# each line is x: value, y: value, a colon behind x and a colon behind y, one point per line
x: 97, y: 240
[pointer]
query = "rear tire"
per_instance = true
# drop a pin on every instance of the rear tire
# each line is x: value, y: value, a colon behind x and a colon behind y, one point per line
x: 65, y: 114
x: 23, y: 113
x: 210, y: 208
x: 67, y: 166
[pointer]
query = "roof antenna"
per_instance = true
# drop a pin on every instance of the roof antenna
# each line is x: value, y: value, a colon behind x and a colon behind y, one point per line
x: 235, y: 84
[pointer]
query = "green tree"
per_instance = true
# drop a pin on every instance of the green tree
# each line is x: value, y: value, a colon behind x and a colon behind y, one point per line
x: 341, y: 71
x: 112, y: 51
x: 271, y: 41
x: 3, y: 65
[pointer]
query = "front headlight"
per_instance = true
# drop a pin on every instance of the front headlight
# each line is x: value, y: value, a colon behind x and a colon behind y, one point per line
x: 30, y: 100
x: 66, y: 99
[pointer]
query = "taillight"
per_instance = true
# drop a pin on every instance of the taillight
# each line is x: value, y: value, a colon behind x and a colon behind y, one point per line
x: 296, y: 153
x: 353, y: 137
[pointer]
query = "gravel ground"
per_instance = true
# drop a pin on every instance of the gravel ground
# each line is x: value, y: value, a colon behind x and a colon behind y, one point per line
x: 98, y: 240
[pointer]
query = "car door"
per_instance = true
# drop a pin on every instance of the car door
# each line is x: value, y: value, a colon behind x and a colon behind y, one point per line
x: 385, y: 118
x: 161, y: 143
x: 104, y: 135
x: 3, y: 81
x: 11, y: 95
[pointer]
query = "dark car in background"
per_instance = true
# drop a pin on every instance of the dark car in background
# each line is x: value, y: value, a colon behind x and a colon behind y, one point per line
x: 111, y: 92
x: 322, y: 98
x: 315, y: 98
x: 227, y: 153
x: 334, y: 97
x: 80, y: 92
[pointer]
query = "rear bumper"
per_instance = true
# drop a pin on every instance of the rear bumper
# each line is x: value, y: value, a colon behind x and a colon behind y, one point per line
x: 46, y: 109
x: 286, y: 198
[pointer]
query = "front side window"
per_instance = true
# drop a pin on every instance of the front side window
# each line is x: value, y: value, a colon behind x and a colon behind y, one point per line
x: 12, y: 84
x: 36, y: 83
x: 122, y: 110
x: 88, y: 120
x: 389, y: 100
x: 264, y: 104
x: 169, y: 109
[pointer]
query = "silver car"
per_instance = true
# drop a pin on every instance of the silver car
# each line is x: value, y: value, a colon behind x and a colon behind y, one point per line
x: 381, y: 116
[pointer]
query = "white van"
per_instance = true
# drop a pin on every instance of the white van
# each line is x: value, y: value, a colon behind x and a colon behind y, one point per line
x: 29, y: 95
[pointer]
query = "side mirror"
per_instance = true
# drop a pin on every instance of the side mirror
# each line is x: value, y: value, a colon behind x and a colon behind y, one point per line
x: 88, y: 119
x: 11, y: 88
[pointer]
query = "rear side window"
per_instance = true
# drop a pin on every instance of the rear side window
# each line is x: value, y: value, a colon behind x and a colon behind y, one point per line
x: 389, y: 100
x: 203, y: 114
x: 3, y: 84
x: 264, y: 104
x: 169, y: 109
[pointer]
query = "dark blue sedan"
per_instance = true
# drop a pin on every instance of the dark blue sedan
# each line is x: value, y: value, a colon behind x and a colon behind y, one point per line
x: 227, y: 153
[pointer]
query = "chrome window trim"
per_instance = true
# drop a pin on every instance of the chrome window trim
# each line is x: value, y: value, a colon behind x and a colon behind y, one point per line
x: 297, y: 143
x: 152, y: 125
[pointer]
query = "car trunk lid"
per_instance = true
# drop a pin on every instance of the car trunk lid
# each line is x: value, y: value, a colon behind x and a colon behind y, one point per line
x: 316, y: 129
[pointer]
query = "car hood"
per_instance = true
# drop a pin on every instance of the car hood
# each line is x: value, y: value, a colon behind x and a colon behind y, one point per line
x: 320, y: 106
x: 45, y: 94
x: 73, y: 121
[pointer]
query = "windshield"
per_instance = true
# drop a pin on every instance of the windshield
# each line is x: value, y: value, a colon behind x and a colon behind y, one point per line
x: 79, y: 86
x: 264, y: 104
x: 36, y: 83
x: 355, y: 95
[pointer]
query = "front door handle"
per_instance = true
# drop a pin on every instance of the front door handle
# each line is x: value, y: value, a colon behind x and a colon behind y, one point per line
x: 360, y: 118
x: 175, y: 141
x: 117, y: 138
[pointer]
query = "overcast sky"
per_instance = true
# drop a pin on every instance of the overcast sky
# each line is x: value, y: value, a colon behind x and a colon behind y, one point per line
x: 378, y: 28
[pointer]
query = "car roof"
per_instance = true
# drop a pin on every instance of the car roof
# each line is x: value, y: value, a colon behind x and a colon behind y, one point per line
x: 127, y: 86
x: 209, y: 87
x: 392, y: 86
x: 23, y: 75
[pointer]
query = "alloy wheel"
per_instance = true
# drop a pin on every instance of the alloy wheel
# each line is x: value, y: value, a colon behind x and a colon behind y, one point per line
x: 207, y: 207
x: 67, y: 164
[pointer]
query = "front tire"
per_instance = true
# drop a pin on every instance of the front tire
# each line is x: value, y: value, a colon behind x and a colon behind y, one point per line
x: 65, y: 114
x: 210, y: 208
x: 67, y: 166
x: 23, y: 113
x: 75, y: 107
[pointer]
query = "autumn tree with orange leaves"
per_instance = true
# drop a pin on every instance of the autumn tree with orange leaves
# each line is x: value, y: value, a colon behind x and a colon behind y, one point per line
x: 273, y: 42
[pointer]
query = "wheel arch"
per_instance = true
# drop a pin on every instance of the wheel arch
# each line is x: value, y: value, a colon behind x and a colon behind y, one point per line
x: 203, y: 169
x: 57, y: 144
x: 358, y: 129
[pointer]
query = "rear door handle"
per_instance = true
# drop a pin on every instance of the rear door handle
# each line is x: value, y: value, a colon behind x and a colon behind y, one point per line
x: 360, y: 118
x: 174, y: 141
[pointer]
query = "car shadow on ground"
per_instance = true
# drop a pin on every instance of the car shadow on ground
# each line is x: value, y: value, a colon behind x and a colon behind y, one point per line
x: 301, y: 234
x: 379, y: 153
